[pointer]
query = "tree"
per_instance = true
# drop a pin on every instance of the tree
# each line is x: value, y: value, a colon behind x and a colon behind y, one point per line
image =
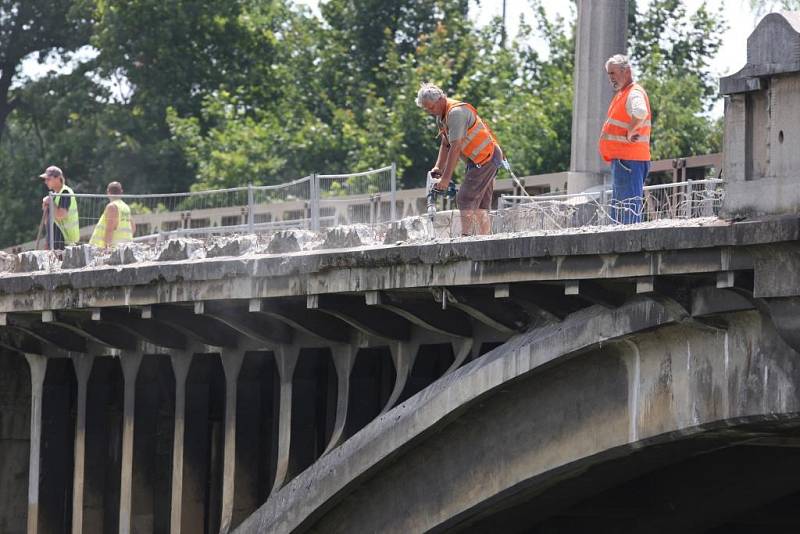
x: 672, y: 50
x: 43, y: 28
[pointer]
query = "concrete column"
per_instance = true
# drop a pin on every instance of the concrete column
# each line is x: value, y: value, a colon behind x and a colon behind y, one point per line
x: 38, y: 365
x: 180, y: 366
x: 344, y: 357
x: 83, y: 368
x: 232, y: 364
x: 130, y: 361
x: 601, y: 32
x: 286, y: 360
x: 403, y: 354
x: 461, y: 350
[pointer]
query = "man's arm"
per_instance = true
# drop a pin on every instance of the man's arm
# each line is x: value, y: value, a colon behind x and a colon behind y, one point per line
x: 637, y: 108
x: 112, y: 220
x: 450, y: 163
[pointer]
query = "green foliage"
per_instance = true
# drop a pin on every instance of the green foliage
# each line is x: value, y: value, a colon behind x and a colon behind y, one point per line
x: 201, y: 94
x: 672, y: 51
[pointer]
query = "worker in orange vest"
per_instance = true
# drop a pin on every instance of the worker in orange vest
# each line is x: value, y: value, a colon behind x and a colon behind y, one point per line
x: 466, y: 136
x: 625, y: 141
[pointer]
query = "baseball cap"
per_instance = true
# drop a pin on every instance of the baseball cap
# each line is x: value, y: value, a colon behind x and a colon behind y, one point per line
x: 51, y: 171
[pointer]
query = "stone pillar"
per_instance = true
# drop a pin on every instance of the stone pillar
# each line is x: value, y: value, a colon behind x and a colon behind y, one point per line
x: 344, y: 356
x: 601, y: 32
x: 83, y: 368
x: 180, y: 366
x: 232, y: 364
x: 286, y: 360
x: 462, y: 348
x: 130, y: 362
x: 38, y: 365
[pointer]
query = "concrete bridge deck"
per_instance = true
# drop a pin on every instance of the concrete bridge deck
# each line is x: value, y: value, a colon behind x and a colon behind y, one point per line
x: 313, y: 390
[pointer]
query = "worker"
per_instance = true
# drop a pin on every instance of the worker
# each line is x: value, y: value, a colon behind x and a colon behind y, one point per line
x: 625, y: 141
x: 65, y: 216
x: 115, y: 225
x: 464, y: 134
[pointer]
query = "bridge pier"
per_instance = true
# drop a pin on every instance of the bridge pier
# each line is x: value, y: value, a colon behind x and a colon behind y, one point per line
x: 130, y: 361
x: 38, y: 368
x: 232, y: 363
x: 83, y: 368
x: 286, y: 357
x: 181, y: 360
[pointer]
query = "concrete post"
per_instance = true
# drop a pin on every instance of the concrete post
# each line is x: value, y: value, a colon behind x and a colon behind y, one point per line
x: 83, y: 368
x: 461, y: 349
x: 181, y: 360
x: 403, y: 354
x: 130, y: 362
x: 232, y: 364
x: 602, y: 31
x: 38, y: 365
x: 286, y: 360
x: 344, y: 357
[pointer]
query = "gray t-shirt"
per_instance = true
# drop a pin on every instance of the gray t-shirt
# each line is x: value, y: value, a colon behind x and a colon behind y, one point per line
x: 459, y: 120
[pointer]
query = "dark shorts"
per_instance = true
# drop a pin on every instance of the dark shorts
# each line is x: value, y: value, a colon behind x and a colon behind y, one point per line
x: 476, y: 191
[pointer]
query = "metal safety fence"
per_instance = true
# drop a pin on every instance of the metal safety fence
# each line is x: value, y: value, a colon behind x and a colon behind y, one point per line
x: 680, y: 200
x: 312, y: 202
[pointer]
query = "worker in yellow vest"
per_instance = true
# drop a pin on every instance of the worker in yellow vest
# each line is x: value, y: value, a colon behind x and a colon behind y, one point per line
x: 65, y: 215
x: 115, y: 225
x: 466, y: 136
x: 625, y: 141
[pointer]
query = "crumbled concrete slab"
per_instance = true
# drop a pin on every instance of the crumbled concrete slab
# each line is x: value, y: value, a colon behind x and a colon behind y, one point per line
x: 408, y: 229
x: 79, y: 256
x: 348, y: 237
x: 231, y: 246
x: 8, y: 262
x: 127, y: 253
x: 182, y: 249
x: 38, y: 260
x: 291, y: 240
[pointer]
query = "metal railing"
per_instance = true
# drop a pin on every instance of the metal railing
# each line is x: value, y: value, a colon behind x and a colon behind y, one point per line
x: 322, y: 200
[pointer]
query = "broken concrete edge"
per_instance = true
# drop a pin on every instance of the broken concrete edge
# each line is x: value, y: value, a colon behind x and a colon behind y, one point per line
x: 496, y: 248
x: 404, y: 425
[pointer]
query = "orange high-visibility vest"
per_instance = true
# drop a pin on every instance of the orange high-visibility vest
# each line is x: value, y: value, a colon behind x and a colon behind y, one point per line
x: 613, y: 143
x: 479, y: 142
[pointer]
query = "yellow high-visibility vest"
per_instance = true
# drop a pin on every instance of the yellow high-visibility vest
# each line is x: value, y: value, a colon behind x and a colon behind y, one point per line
x: 123, y: 232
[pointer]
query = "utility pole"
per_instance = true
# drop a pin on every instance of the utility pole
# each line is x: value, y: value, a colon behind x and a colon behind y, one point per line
x: 503, y: 38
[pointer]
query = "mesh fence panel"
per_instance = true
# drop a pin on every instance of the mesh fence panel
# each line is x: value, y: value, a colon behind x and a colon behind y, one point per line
x: 364, y: 197
x: 682, y: 200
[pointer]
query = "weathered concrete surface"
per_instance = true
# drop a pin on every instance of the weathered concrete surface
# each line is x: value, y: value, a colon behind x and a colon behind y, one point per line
x: 665, y: 379
x: 78, y: 256
x: 8, y: 262
x: 602, y: 31
x: 37, y: 260
x: 561, y: 256
x: 231, y: 246
x: 182, y: 249
x: 762, y: 122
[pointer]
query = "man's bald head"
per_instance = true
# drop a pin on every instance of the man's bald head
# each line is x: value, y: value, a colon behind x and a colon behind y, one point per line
x: 114, y: 188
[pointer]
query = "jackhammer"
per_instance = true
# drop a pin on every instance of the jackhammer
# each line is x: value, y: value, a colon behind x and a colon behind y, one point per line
x: 433, y: 193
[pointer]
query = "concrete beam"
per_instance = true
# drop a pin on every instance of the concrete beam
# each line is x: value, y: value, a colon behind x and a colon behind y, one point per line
x: 38, y: 368
x: 344, y: 357
x: 201, y: 328
x: 159, y: 335
x: 461, y: 350
x: 403, y: 355
x: 485, y: 306
x: 261, y: 329
x: 712, y: 301
x: 232, y: 364
x: 305, y: 320
x: 50, y: 335
x: 371, y: 321
x: 109, y: 337
x: 286, y: 357
x: 181, y: 360
x: 130, y: 363
x: 427, y: 315
x: 82, y: 363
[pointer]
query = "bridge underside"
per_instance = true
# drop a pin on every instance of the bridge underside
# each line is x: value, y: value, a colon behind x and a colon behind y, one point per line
x: 452, y: 386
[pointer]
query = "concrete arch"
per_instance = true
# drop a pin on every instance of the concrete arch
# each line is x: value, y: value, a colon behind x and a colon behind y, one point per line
x: 405, y: 423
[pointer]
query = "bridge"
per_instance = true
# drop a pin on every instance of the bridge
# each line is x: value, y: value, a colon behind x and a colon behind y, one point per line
x: 620, y: 379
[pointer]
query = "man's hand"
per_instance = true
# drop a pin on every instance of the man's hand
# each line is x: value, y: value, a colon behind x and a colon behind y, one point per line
x: 45, y: 203
x: 632, y: 136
